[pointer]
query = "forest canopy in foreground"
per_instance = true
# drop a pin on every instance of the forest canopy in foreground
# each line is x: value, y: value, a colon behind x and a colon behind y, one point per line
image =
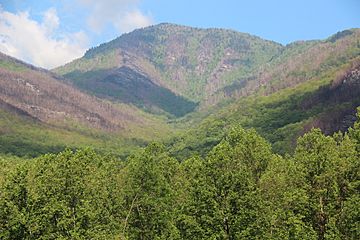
x: 240, y: 190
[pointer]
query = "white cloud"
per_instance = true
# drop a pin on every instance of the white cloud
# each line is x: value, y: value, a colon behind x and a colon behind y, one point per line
x: 132, y: 20
x: 51, y: 20
x: 37, y: 43
x: 124, y: 15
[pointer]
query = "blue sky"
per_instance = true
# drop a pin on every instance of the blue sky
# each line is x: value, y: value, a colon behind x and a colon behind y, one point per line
x: 49, y: 33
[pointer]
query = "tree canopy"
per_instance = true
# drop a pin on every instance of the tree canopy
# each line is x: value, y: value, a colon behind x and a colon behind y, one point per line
x: 239, y: 190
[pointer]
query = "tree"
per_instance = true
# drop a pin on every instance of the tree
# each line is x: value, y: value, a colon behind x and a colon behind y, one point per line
x: 319, y: 159
x: 284, y: 210
x: 14, y: 208
x: 69, y: 195
x: 223, y: 198
x: 349, y: 218
x: 149, y: 195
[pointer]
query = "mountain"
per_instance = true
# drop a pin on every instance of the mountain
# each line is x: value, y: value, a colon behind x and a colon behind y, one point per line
x: 309, y: 84
x: 297, y: 63
x: 226, y: 77
x: 175, y: 69
x: 237, y: 156
x: 169, y: 67
x: 204, y: 80
x: 38, y: 108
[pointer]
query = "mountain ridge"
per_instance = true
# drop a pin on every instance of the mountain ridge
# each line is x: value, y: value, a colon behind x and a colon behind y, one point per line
x: 245, y: 81
x: 188, y: 61
x: 205, y: 66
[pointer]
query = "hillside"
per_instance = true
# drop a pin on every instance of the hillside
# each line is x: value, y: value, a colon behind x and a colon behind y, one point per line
x: 172, y: 69
x: 189, y: 63
x: 217, y: 78
x: 38, y: 109
x: 307, y: 85
x: 327, y: 102
x: 297, y: 63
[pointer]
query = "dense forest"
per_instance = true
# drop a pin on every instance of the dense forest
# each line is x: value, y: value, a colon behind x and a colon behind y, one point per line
x: 239, y: 190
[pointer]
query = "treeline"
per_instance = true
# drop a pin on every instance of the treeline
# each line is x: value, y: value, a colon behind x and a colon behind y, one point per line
x: 240, y: 190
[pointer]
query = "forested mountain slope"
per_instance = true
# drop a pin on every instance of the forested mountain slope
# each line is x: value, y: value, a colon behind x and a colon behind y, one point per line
x: 191, y: 63
x: 50, y: 109
x: 296, y: 63
x: 327, y: 101
x: 184, y: 67
x: 220, y: 77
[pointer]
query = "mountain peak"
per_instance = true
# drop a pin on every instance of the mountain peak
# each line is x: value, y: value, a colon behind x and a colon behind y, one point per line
x: 159, y: 33
x: 191, y: 62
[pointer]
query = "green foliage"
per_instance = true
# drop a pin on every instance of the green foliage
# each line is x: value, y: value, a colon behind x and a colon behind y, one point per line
x: 280, y: 117
x: 65, y: 196
x: 26, y: 137
x: 12, y: 66
x: 339, y: 35
x: 150, y: 195
x: 221, y: 201
x: 326, y: 163
x: 285, y: 202
x: 239, y: 190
